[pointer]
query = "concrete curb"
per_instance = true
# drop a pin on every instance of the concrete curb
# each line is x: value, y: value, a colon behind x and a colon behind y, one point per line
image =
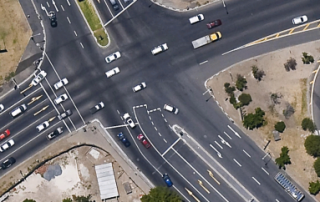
x: 184, y: 10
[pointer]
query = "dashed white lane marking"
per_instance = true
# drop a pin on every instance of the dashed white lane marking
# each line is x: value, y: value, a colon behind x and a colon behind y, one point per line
x: 201, y: 63
x: 165, y: 120
x: 81, y: 45
x: 150, y: 118
x: 265, y: 170
x: 162, y: 115
x: 237, y: 162
x: 160, y: 134
x: 62, y: 7
x: 234, y: 131
x: 152, y: 123
x: 75, y: 33
x: 246, y: 153
x: 165, y: 140
x: 277, y: 200
x: 68, y: 3
x: 227, y: 135
x: 156, y: 128
x: 48, y: 4
x: 256, y: 180
x: 218, y: 144
x: 68, y: 20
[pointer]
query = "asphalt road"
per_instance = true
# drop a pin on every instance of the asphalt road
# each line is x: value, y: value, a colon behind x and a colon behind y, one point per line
x: 173, y: 77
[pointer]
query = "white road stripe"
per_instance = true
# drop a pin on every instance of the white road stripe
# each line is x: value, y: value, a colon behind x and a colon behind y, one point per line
x: 237, y: 162
x: 165, y: 140
x: 81, y: 45
x: 227, y: 135
x: 68, y: 3
x: 246, y: 153
x: 68, y: 20
x: 175, y: 142
x: 256, y: 180
x: 62, y: 7
x: 48, y: 4
x: 218, y: 144
x: 201, y: 63
x: 265, y: 170
x: 234, y: 131
x: 75, y: 33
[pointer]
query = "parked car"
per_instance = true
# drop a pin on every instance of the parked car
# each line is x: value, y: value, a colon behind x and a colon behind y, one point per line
x: 55, y: 133
x: 112, y: 72
x: 171, y: 109
x: 299, y: 20
x: 113, y: 56
x: 39, y: 78
x: 144, y: 141
x: 5, y: 146
x: 60, y: 99
x: 61, y: 83
x: 213, y: 24
x: 124, y: 140
x: 65, y: 114
x: 43, y: 126
x: 53, y: 19
x: 97, y: 107
x: 196, y: 18
x: 139, y: 87
x: 19, y: 110
x: 129, y: 121
x: 167, y: 180
x: 7, y: 163
x: 5, y: 134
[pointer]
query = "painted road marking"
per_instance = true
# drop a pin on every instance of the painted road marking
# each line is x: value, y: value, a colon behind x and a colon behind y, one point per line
x: 265, y: 170
x: 227, y: 135
x: 68, y: 3
x: 218, y: 144
x: 246, y: 153
x: 256, y: 180
x: 175, y: 142
x: 218, y: 153
x: 81, y: 45
x: 62, y: 7
x: 68, y: 20
x: 75, y: 33
x: 237, y: 162
x: 234, y: 131
x: 201, y: 63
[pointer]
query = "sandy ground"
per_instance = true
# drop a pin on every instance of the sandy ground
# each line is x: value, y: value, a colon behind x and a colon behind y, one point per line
x: 78, y: 178
x: 14, y: 36
x: 293, y: 86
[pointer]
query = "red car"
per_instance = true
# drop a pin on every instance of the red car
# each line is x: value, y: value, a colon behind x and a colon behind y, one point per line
x: 5, y: 134
x: 144, y: 141
x: 213, y: 24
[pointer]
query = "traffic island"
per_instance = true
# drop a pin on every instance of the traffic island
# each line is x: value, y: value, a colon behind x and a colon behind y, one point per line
x: 94, y: 22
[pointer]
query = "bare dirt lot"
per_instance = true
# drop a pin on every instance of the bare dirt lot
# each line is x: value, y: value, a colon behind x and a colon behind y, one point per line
x: 293, y: 86
x: 14, y: 36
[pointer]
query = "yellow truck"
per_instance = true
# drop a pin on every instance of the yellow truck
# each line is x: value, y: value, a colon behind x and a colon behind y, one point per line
x: 206, y: 40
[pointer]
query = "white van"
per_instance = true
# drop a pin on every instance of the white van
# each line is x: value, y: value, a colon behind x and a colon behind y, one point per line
x: 159, y: 49
x: 19, y: 110
x: 171, y: 109
x: 196, y: 18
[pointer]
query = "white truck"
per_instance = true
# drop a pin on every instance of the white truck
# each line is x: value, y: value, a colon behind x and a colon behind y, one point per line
x: 206, y: 40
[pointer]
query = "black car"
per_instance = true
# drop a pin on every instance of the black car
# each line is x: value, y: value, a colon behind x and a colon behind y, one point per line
x: 53, y: 19
x: 7, y: 163
x: 65, y: 114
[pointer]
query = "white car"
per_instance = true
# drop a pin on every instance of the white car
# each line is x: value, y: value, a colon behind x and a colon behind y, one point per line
x: 299, y: 20
x: 159, y: 49
x: 129, y: 121
x: 196, y: 18
x: 112, y: 72
x: 6, y: 145
x: 139, y: 87
x: 61, y: 83
x: 1, y: 107
x: 171, y: 109
x: 60, y: 99
x: 113, y: 57
x: 97, y: 107
x: 39, y: 78
x: 55, y: 133
x: 42, y: 126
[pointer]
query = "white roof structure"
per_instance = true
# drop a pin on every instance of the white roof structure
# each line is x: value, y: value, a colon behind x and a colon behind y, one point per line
x: 106, y: 181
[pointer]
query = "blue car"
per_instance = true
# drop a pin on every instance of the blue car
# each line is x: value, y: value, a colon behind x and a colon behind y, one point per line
x: 123, y: 139
x: 167, y: 180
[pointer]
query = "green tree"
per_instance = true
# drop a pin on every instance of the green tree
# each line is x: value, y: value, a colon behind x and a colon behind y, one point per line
x: 280, y: 126
x: 314, y: 187
x: 256, y: 120
x: 229, y: 89
x: 245, y: 99
x: 67, y: 200
x: 29, y: 200
x: 161, y: 194
x: 284, y: 158
x: 312, y: 145
x: 316, y: 166
x: 257, y: 74
x: 81, y: 198
x: 290, y: 64
x: 241, y: 82
x: 307, y: 124
x: 307, y: 59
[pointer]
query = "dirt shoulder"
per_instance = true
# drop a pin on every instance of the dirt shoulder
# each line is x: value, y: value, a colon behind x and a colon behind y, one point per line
x: 293, y: 86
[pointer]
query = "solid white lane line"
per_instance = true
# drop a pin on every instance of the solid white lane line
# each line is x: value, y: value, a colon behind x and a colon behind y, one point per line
x: 227, y: 135
x: 246, y: 153
x: 256, y: 180
x: 237, y: 162
x: 108, y: 8
x: 265, y: 170
x: 65, y: 89
x: 204, y: 179
x: 119, y: 126
x: 175, y: 142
